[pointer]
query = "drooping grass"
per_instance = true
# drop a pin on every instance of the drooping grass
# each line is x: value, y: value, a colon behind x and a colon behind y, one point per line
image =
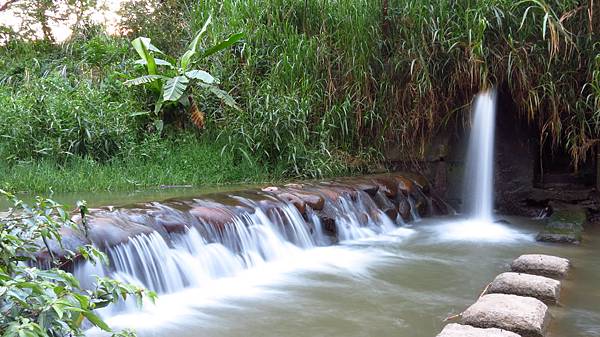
x: 335, y: 77
x: 188, y: 161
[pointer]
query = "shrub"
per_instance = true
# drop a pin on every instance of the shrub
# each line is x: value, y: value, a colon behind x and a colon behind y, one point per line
x: 57, y: 117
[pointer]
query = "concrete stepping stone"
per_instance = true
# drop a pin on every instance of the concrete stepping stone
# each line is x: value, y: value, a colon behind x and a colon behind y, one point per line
x: 543, y: 288
x: 526, y: 316
x: 543, y: 265
x: 458, y: 330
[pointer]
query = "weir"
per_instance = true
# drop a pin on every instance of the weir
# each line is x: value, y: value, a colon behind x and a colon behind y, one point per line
x: 179, y: 243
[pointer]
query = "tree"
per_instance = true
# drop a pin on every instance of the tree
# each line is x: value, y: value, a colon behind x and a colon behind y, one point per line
x: 38, y: 16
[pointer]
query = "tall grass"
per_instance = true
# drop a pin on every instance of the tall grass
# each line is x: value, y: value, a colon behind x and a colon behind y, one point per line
x: 334, y: 79
x: 185, y: 160
x: 325, y: 86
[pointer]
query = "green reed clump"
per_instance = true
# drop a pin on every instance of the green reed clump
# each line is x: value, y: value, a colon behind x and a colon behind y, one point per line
x: 304, y: 77
x: 332, y: 79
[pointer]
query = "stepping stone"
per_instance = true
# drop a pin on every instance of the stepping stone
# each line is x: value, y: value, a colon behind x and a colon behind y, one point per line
x: 525, y: 316
x: 458, y: 330
x: 540, y: 287
x: 543, y: 265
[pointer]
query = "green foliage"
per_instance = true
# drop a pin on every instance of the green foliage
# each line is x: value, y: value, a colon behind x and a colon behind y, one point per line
x: 336, y: 77
x: 184, y: 160
x: 323, y: 87
x: 63, y: 101
x: 172, y: 82
x: 50, y: 302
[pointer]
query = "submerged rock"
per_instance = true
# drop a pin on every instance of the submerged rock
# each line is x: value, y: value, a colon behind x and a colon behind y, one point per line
x: 543, y: 265
x: 540, y: 287
x: 458, y: 330
x: 525, y: 316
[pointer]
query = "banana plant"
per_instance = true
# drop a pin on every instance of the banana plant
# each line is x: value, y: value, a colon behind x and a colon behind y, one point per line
x: 171, y: 81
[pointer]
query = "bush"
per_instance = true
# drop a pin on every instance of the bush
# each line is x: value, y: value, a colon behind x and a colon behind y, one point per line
x: 60, y: 101
x: 58, y: 116
x: 49, y: 302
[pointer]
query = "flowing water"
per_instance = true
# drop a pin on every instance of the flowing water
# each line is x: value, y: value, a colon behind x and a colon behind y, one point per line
x: 271, y: 271
x: 479, y: 178
x: 402, y: 283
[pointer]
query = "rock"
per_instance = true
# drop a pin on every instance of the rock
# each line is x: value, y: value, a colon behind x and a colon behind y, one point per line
x: 404, y: 209
x: 458, y: 330
x: 106, y: 231
x: 387, y: 185
x: 313, y: 200
x: 212, y: 215
x: 405, y: 184
x: 525, y: 316
x: 564, y: 226
x: 565, y: 236
x: 296, y: 201
x: 540, y: 287
x: 543, y: 265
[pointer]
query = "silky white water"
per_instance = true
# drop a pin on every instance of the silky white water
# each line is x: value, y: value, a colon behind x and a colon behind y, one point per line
x: 479, y: 178
x: 237, y: 251
x: 478, y: 188
x: 403, y: 283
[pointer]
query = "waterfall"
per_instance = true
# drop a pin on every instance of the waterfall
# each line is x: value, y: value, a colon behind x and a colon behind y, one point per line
x: 479, y: 183
x: 479, y: 178
x: 199, y: 250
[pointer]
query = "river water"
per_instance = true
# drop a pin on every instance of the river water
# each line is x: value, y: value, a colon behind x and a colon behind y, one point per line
x: 403, y: 283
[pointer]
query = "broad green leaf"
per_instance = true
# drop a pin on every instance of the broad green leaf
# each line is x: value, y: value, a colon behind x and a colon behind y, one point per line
x: 58, y: 308
x: 224, y: 44
x: 147, y: 42
x: 159, y: 62
x: 142, y: 49
x: 97, y: 321
x: 142, y: 80
x: 175, y: 87
x: 193, y: 48
x: 224, y: 96
x: 202, y: 76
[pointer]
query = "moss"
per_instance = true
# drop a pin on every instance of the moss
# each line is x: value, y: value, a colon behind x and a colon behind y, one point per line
x: 571, y: 215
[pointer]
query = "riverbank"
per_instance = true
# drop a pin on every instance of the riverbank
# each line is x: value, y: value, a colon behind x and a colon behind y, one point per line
x: 170, y: 164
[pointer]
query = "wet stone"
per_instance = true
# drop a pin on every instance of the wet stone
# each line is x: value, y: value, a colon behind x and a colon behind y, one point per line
x: 525, y: 316
x: 458, y: 330
x: 540, y: 287
x: 543, y: 265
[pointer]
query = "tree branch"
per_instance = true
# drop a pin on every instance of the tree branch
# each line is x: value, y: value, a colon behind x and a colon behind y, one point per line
x: 7, y: 4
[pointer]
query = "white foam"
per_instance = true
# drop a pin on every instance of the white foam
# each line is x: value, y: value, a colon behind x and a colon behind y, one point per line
x: 478, y: 230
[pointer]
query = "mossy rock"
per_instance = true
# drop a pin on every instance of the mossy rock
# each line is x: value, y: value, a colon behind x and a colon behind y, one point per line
x: 564, y: 226
x: 571, y: 215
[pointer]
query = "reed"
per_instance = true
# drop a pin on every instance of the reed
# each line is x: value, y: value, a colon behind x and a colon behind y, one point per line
x: 337, y: 79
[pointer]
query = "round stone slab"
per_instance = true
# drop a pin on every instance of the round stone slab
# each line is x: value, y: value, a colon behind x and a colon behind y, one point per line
x: 540, y: 287
x: 458, y: 330
x: 525, y: 316
x: 543, y: 265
